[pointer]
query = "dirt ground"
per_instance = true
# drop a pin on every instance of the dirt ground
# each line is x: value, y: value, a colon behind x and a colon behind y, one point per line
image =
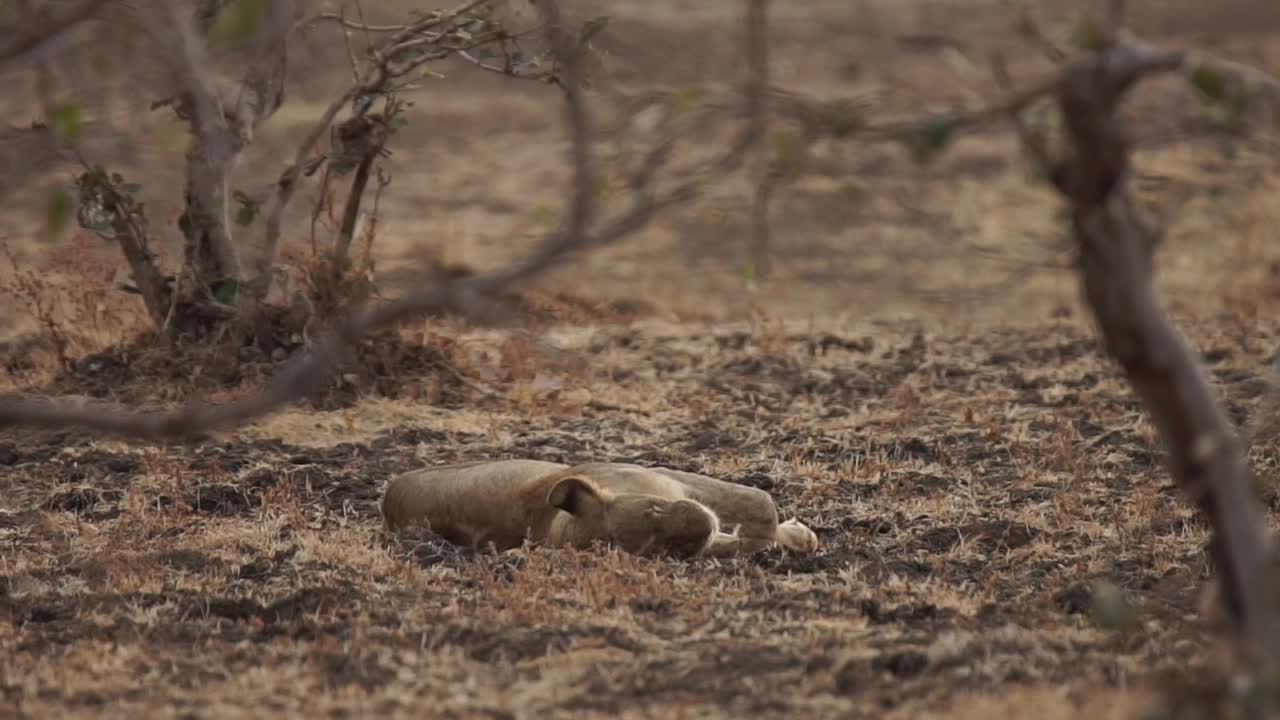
x: 918, y: 382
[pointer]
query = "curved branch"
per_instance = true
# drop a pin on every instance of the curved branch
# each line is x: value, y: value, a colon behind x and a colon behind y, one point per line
x: 1116, y: 244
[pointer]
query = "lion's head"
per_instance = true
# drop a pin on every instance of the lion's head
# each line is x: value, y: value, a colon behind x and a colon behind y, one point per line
x: 636, y: 522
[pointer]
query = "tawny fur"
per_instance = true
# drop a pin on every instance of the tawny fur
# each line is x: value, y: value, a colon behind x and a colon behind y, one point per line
x: 503, y: 503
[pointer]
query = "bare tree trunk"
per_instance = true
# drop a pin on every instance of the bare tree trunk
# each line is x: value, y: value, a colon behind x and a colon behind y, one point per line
x: 109, y: 208
x: 1205, y: 454
x: 210, y: 254
x: 360, y: 141
x: 1116, y: 244
x: 222, y: 125
x: 142, y: 264
x: 351, y: 213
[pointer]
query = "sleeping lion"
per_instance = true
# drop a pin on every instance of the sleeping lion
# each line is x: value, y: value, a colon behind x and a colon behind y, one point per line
x: 646, y: 511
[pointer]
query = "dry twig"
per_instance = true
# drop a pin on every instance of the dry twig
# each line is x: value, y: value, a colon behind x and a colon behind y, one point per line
x: 407, y: 49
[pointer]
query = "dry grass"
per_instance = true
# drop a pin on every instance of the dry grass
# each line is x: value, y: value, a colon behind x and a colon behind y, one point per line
x: 971, y: 463
x: 967, y: 491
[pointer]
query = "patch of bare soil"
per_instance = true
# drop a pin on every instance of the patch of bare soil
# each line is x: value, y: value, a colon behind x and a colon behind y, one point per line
x: 968, y: 494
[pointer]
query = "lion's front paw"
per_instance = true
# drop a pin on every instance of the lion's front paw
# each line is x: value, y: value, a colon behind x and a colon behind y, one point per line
x: 794, y: 535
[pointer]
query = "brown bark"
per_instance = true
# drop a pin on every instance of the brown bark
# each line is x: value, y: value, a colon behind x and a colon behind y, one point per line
x: 221, y: 127
x: 108, y: 208
x: 1116, y: 245
x: 142, y: 265
x: 209, y: 252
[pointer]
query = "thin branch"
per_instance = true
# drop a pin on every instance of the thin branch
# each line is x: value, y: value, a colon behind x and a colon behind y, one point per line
x: 36, y: 40
x: 374, y: 80
x: 384, y: 179
x: 105, y: 204
x: 647, y: 203
x: 839, y: 121
x: 761, y: 232
x: 351, y: 213
x: 351, y: 55
x: 1033, y: 144
x: 368, y: 36
x: 508, y: 70
x: 322, y: 201
x: 286, y: 186
x: 757, y: 46
x: 582, y: 207
x: 405, y: 30
x: 365, y: 137
x: 341, y: 19
x: 757, y: 108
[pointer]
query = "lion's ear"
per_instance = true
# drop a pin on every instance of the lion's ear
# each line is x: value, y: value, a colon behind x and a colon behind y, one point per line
x: 573, y: 495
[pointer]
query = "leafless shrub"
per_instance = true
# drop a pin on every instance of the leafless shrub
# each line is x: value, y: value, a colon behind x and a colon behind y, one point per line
x: 424, y: 40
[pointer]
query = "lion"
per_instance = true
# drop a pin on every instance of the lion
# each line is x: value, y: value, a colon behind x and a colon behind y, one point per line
x: 645, y: 511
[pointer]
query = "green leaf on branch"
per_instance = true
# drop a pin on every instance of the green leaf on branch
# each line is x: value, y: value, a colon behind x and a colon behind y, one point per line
x: 66, y: 119
x: 786, y: 148
x: 224, y: 290
x: 846, y: 125
x: 1089, y: 35
x: 236, y: 22
x: 544, y: 215
x: 927, y: 140
x: 684, y: 99
x: 1210, y: 81
x: 248, y: 208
